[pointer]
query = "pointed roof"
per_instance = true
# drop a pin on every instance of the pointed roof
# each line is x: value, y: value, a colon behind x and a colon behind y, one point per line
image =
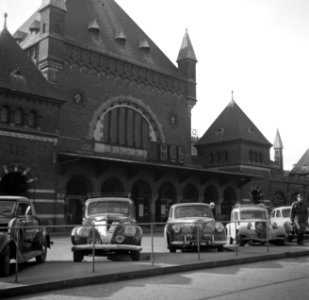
x: 18, y: 73
x: 278, y: 142
x: 57, y: 3
x: 186, y: 50
x: 232, y: 125
x: 302, y: 166
x: 111, y: 19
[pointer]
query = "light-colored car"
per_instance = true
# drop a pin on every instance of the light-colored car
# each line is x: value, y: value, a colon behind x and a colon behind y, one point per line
x: 109, y: 227
x: 21, y: 235
x: 251, y: 223
x: 281, y: 217
x: 193, y: 224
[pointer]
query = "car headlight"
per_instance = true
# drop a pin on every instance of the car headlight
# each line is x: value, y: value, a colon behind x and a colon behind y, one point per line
x: 219, y: 227
x: 83, y: 231
x: 176, y: 228
x: 119, y: 239
x: 130, y: 230
x: 274, y: 225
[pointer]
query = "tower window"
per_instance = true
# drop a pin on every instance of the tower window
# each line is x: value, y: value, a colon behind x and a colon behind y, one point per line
x: 18, y: 117
x: 4, y: 115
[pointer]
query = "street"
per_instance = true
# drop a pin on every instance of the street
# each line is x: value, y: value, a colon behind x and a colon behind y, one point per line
x: 277, y: 280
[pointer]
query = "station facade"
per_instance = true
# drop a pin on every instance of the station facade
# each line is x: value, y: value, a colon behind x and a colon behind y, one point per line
x: 90, y: 106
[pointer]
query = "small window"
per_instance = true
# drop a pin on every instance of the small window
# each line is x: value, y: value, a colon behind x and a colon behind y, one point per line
x: 4, y: 116
x: 18, y: 117
x: 32, y: 119
x: 278, y: 214
x: 22, y: 209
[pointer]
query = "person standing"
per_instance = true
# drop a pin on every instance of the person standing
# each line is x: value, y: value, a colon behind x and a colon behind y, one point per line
x: 299, y: 218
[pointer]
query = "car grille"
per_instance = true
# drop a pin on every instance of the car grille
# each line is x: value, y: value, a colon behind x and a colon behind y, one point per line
x: 260, y: 228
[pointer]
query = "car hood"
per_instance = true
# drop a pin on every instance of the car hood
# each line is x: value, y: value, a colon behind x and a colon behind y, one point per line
x: 107, y: 218
x: 193, y: 220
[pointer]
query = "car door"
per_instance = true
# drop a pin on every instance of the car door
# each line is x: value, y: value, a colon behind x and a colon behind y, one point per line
x: 28, y: 224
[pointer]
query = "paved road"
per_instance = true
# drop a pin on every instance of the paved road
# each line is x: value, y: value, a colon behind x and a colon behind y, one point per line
x: 283, y: 279
x: 61, y: 248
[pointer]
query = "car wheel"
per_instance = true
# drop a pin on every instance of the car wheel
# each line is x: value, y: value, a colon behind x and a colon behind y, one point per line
x: 170, y: 247
x: 5, y: 261
x: 77, y: 256
x: 42, y: 257
x: 220, y: 249
x: 135, y: 255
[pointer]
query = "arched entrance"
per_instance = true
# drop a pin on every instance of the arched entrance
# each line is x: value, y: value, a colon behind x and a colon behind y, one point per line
x: 211, y: 195
x: 14, y: 183
x: 190, y: 193
x: 77, y: 190
x: 229, y: 200
x: 112, y: 186
x: 167, y: 197
x: 141, y: 195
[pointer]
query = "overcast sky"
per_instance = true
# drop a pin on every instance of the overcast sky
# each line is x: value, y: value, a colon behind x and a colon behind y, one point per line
x: 258, y: 48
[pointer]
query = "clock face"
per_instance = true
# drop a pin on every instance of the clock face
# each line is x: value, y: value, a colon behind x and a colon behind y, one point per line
x: 78, y: 96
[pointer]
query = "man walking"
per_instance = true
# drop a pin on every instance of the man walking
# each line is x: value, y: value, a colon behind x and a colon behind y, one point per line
x: 299, y: 218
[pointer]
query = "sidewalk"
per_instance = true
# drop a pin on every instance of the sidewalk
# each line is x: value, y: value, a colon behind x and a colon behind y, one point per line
x: 64, y: 274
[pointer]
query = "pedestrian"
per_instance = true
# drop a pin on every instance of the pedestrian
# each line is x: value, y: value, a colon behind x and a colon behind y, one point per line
x: 299, y: 218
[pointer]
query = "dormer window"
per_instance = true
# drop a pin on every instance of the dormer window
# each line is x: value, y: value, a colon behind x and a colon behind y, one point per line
x: 121, y: 38
x: 144, y: 46
x: 219, y: 131
x: 35, y: 26
x: 94, y: 27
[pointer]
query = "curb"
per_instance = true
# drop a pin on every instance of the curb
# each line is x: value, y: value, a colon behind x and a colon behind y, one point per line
x: 154, y: 271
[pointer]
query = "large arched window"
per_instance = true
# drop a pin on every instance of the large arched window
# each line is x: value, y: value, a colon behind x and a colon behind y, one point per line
x: 4, y: 115
x: 124, y: 126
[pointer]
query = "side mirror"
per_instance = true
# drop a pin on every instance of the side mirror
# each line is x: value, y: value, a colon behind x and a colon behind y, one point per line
x: 212, y: 205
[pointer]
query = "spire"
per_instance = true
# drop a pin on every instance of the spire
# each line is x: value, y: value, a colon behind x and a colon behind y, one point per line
x: 278, y: 142
x: 5, y: 20
x: 186, y: 50
x: 57, y: 3
x: 232, y: 102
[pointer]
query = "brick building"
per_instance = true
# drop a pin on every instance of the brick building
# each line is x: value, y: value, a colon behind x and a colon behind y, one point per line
x: 114, y: 116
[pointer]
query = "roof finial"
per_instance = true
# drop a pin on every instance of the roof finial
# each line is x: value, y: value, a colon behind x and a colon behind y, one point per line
x: 5, y: 17
x: 232, y: 92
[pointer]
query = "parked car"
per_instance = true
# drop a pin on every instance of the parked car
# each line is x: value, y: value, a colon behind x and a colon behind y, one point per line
x: 109, y: 227
x: 21, y: 235
x: 251, y: 223
x: 190, y: 224
x: 281, y: 217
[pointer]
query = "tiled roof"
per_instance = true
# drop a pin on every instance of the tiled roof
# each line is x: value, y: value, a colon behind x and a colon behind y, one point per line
x: 111, y: 22
x: 232, y: 125
x: 18, y: 73
x: 302, y: 166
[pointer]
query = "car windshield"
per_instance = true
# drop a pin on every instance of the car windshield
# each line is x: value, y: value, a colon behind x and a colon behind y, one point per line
x: 7, y: 208
x: 286, y: 213
x: 107, y: 207
x: 193, y: 211
x: 252, y: 214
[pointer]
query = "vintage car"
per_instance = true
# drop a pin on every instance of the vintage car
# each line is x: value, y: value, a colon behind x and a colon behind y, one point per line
x: 21, y: 236
x: 190, y: 225
x: 108, y: 229
x: 251, y: 223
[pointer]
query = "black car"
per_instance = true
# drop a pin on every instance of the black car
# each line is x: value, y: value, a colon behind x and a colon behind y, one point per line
x: 21, y: 236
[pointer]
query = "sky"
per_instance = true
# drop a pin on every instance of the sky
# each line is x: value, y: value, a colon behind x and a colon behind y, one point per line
x: 257, y: 48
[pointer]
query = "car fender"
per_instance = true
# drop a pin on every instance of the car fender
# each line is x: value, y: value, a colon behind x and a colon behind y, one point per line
x: 4, y: 240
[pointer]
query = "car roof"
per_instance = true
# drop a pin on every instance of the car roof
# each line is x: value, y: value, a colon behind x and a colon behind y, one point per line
x: 95, y: 199
x: 10, y: 197
x: 282, y: 207
x: 190, y: 204
x: 249, y: 206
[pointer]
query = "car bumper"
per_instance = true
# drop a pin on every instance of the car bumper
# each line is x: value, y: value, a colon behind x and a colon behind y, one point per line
x: 106, y: 247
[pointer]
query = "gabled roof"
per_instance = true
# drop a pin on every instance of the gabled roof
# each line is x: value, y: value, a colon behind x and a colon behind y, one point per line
x: 18, y: 72
x: 110, y: 21
x: 302, y: 166
x: 232, y: 125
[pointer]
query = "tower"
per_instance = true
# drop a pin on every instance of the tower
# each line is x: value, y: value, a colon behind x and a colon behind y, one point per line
x: 278, y: 148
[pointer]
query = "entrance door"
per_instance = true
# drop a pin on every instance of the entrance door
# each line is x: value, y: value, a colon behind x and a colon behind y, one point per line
x: 74, y: 211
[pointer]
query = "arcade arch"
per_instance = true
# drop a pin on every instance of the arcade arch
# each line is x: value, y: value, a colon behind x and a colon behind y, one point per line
x: 190, y: 193
x: 167, y: 197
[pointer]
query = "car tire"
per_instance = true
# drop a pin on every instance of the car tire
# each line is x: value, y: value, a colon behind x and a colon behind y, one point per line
x: 5, y: 261
x: 170, y: 247
x: 135, y: 255
x: 77, y: 256
x: 40, y: 259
